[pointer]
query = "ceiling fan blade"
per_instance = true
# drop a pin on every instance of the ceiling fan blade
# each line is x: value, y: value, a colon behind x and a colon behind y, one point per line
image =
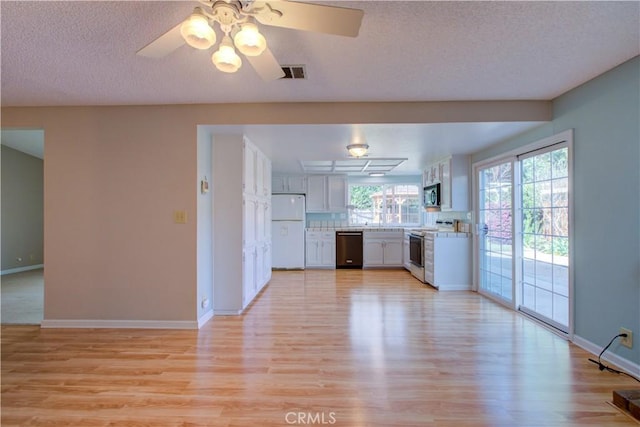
x: 310, y: 17
x: 266, y: 66
x: 163, y: 45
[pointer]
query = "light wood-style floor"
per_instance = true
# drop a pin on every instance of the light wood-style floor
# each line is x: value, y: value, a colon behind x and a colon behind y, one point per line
x: 343, y: 348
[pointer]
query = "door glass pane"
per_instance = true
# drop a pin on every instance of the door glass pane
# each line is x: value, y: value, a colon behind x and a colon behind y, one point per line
x: 495, y: 214
x: 545, y: 236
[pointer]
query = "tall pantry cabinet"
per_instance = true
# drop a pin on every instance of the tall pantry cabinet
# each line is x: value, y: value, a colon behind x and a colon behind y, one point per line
x: 241, y: 223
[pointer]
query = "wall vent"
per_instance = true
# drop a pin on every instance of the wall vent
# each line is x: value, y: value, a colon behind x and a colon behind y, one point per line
x: 294, y: 72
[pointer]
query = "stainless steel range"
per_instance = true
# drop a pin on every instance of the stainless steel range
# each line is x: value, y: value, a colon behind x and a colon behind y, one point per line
x: 416, y: 252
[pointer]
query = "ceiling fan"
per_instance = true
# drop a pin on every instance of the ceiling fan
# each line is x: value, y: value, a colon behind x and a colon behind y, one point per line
x: 237, y: 20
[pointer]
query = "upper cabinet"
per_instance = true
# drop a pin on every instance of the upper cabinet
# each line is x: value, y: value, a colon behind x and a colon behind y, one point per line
x: 453, y: 175
x: 432, y: 174
x: 256, y: 178
x: 295, y: 184
x: 250, y: 175
x: 326, y: 193
x: 263, y: 175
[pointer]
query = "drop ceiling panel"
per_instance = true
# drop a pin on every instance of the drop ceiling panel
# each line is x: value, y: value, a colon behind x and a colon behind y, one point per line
x: 350, y: 166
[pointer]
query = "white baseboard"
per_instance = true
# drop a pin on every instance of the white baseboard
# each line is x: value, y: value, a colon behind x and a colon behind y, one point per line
x: 462, y: 287
x: 21, y: 269
x: 227, y: 312
x: 624, y: 364
x: 117, y: 324
x: 205, y: 318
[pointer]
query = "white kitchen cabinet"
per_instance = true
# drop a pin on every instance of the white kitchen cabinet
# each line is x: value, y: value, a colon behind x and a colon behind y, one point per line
x: 316, y: 193
x: 373, y: 254
x: 326, y: 193
x: 250, y: 208
x: 320, y: 249
x: 267, y: 220
x: 249, y: 256
x: 337, y: 193
x: 242, y: 223
x: 406, y: 251
x: 453, y: 175
x: 250, y: 176
x: 266, y: 264
x: 261, y: 224
x: 428, y: 242
x: 447, y: 261
x: 289, y: 184
x: 432, y: 174
x: 383, y: 249
x: 263, y: 175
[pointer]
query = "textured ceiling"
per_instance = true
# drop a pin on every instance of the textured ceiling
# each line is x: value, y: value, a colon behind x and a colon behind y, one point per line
x: 84, y: 53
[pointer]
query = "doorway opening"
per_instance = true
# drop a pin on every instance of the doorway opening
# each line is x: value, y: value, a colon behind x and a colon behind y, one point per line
x: 22, y: 263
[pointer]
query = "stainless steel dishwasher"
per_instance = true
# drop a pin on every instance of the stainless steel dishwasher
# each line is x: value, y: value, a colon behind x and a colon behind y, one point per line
x: 348, y: 249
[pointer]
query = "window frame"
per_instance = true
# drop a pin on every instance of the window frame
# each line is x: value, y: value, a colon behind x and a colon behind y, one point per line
x: 384, y: 208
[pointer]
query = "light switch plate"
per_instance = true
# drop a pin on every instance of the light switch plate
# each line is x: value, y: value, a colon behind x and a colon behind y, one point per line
x: 180, y: 217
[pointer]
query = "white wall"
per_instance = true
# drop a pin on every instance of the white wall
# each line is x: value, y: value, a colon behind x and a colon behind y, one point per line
x: 205, y: 225
x: 228, y: 159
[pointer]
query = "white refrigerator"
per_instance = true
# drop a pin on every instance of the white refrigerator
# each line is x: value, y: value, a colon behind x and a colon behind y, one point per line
x: 287, y: 231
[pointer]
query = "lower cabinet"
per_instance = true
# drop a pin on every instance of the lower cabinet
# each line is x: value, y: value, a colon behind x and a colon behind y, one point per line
x: 447, y: 262
x: 256, y: 271
x: 383, y: 249
x: 320, y: 249
x: 249, y: 261
x: 429, y: 271
x: 406, y: 251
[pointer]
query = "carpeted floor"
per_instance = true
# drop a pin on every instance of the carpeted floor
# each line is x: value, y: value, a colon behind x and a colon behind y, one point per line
x: 23, y: 297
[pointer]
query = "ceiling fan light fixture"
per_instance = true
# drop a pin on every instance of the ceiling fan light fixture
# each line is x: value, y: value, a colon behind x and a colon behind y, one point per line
x: 197, y: 32
x: 225, y: 58
x: 249, y: 41
x: 357, y: 150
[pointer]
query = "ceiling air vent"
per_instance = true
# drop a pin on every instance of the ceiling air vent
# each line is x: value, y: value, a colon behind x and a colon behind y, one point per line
x: 294, y: 72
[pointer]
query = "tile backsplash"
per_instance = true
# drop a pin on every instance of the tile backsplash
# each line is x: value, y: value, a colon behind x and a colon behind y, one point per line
x: 430, y: 218
x: 341, y: 219
x: 330, y: 220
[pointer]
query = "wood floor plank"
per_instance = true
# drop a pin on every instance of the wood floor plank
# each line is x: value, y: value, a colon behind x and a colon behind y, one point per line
x: 347, y: 347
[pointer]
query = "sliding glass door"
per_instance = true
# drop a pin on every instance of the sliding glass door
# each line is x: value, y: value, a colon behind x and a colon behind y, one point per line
x: 523, y: 244
x: 495, y: 231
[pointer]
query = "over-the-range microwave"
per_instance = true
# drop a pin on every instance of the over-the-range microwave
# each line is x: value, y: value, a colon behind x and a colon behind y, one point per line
x: 431, y: 196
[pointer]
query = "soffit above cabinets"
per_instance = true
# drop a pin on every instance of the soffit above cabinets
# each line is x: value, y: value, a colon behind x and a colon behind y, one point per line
x: 355, y: 166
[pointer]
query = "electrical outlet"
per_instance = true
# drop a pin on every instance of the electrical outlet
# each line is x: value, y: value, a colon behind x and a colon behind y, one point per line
x: 628, y: 340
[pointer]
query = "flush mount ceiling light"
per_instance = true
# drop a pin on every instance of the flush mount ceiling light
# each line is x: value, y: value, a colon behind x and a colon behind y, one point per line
x: 237, y: 21
x: 376, y: 173
x: 357, y: 150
